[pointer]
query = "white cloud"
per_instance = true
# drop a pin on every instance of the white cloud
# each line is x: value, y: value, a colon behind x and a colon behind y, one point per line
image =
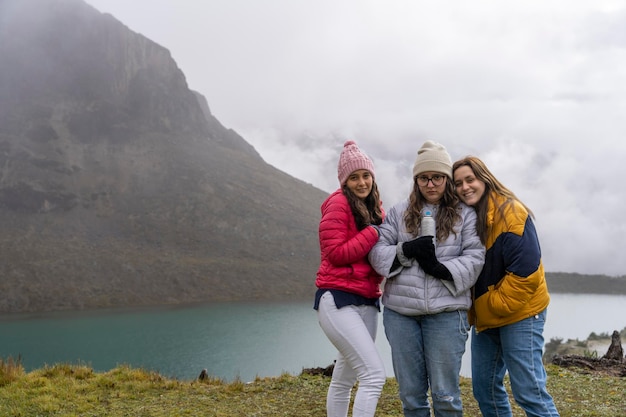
x: 535, y: 88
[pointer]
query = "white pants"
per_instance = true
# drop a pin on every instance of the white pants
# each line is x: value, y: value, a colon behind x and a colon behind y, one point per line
x: 352, y: 330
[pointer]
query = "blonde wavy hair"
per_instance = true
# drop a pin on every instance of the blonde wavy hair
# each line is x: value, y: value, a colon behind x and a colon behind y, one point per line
x: 492, y: 186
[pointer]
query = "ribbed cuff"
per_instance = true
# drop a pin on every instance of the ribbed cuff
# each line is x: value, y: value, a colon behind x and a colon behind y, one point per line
x: 403, y: 259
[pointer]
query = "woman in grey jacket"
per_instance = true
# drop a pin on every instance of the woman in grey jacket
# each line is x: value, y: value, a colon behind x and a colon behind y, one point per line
x: 427, y: 291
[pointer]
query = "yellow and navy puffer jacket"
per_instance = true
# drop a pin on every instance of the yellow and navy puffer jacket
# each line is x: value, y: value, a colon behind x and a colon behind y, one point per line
x: 512, y: 285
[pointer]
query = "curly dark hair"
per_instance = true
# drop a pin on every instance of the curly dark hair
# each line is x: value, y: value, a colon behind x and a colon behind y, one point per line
x: 366, y: 211
x: 447, y: 213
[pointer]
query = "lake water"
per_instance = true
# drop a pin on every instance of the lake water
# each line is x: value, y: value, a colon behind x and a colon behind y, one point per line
x: 235, y: 340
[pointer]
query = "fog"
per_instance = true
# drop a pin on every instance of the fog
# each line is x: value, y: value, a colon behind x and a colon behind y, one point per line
x: 537, y: 89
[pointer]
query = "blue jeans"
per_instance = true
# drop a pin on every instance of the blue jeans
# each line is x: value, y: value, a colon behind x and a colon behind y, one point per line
x: 518, y: 348
x: 426, y: 351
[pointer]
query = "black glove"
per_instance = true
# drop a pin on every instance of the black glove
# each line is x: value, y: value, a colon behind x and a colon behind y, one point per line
x: 412, y: 248
x: 427, y: 258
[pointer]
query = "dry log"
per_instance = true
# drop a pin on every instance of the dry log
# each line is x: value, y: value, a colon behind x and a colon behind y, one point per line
x: 615, y: 352
x: 328, y: 371
x: 612, y: 363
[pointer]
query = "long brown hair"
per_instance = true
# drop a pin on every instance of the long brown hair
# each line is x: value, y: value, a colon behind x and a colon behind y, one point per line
x: 366, y: 211
x: 447, y: 213
x: 492, y: 185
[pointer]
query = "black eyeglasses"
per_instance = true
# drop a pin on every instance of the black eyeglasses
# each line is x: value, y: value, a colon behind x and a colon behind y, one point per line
x: 436, y: 179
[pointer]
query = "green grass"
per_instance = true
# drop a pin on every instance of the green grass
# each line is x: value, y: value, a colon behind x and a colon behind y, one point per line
x: 76, y: 390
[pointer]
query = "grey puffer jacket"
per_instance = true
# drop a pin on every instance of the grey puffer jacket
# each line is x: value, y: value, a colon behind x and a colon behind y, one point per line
x: 408, y: 289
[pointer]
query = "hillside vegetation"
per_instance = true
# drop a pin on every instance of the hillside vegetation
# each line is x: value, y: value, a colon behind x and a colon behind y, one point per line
x: 566, y: 282
x: 69, y: 391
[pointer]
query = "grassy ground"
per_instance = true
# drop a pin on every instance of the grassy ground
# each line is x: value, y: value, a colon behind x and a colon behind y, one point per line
x: 75, y: 390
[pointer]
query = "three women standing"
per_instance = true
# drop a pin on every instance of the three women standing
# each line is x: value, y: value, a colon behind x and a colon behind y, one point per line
x: 347, y: 300
x: 427, y: 293
x: 510, y: 298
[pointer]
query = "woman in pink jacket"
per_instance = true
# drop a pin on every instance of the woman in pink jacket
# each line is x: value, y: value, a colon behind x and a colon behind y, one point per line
x: 347, y: 300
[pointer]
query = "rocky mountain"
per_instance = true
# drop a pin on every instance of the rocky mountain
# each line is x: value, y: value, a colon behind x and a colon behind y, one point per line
x: 118, y: 187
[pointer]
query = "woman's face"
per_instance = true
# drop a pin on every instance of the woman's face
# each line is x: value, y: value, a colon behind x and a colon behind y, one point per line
x: 469, y: 188
x: 360, y: 183
x: 432, y: 185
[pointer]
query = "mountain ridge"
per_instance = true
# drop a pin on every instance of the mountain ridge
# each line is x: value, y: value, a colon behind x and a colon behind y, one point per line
x: 120, y: 188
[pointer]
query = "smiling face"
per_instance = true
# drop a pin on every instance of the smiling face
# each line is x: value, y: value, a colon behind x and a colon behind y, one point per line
x: 469, y: 188
x: 360, y: 183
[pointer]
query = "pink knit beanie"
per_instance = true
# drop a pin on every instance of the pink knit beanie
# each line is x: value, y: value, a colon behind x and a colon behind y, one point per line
x: 352, y: 159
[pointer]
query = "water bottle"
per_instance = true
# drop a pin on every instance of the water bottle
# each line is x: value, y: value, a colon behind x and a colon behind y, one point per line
x: 428, y: 225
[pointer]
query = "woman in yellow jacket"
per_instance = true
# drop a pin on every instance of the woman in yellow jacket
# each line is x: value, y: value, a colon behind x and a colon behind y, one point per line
x: 510, y: 297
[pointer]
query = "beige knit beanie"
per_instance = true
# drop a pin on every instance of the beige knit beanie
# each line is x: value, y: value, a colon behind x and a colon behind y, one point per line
x: 432, y: 156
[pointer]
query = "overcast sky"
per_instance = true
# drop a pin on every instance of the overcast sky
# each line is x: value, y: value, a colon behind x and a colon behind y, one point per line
x: 537, y: 89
